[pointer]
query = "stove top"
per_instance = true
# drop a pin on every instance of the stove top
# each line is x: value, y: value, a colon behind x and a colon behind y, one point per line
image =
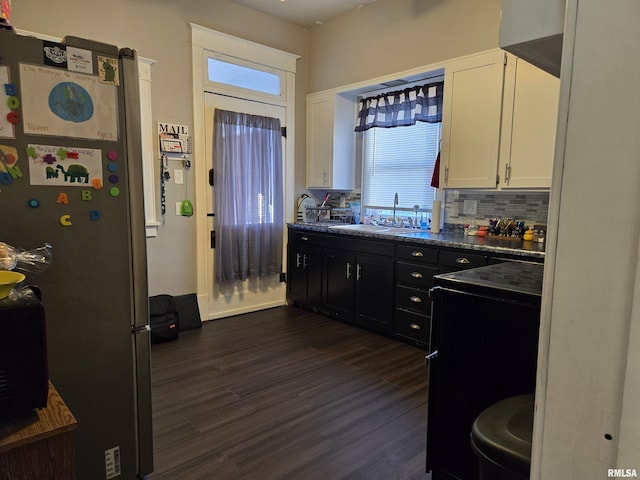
x: 519, y: 277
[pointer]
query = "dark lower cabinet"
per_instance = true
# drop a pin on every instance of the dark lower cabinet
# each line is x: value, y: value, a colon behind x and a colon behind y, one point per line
x: 304, y: 268
x: 358, y: 288
x: 339, y: 283
x: 374, y: 293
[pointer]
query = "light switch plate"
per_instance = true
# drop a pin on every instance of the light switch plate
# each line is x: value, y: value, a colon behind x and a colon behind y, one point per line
x: 178, y: 208
x: 470, y: 207
x: 178, y: 176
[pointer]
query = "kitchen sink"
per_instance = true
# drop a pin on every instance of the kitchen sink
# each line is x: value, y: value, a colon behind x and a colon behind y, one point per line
x: 369, y: 229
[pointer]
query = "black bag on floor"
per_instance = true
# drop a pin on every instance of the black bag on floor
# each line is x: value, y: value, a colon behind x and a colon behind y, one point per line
x: 188, y: 312
x: 163, y: 318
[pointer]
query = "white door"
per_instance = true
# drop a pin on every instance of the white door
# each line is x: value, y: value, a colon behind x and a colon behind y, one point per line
x: 256, y: 293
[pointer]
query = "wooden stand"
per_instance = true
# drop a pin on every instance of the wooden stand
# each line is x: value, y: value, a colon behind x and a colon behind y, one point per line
x: 40, y: 446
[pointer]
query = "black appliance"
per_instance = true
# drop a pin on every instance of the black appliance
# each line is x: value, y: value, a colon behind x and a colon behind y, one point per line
x: 24, y: 378
x: 484, y: 344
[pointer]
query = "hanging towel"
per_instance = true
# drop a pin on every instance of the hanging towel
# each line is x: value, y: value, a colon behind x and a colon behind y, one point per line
x: 435, y: 179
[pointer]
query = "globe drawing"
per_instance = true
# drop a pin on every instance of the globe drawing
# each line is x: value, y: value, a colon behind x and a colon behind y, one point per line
x: 71, y: 102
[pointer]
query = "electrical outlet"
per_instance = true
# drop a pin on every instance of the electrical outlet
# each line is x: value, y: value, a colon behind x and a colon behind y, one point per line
x: 178, y: 176
x: 179, y: 208
x: 470, y: 207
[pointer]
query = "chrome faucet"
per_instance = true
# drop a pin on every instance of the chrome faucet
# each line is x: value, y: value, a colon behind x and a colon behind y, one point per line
x: 395, y: 204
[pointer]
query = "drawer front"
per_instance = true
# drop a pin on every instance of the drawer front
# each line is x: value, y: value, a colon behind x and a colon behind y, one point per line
x: 352, y: 243
x: 413, y: 326
x: 306, y: 238
x: 413, y: 299
x: 420, y: 276
x: 462, y: 260
x: 417, y: 253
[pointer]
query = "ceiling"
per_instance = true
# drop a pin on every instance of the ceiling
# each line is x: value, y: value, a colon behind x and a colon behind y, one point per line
x: 306, y: 13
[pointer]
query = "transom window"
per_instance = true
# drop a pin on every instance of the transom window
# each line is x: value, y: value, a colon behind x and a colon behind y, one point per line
x: 238, y: 74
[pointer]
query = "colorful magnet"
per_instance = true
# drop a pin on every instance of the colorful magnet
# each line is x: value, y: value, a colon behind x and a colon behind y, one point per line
x: 34, y: 203
x: 114, y: 191
x: 31, y: 152
x: 94, y: 215
x: 63, y: 198
x: 73, y: 155
x: 112, y: 167
x: 86, y: 195
x: 13, y: 103
x: 65, y: 220
x: 96, y: 183
x: 13, y: 117
x: 62, y: 153
x: 112, y: 155
x: 5, y: 178
x: 10, y: 89
x: 48, y: 159
x: 114, y: 178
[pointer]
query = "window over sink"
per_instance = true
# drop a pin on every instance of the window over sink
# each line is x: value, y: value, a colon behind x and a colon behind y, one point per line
x: 400, y: 146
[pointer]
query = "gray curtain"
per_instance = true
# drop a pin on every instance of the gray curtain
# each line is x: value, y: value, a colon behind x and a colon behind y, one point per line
x: 249, y: 217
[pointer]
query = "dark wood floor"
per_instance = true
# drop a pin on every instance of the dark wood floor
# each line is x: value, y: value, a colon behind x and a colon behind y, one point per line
x: 288, y: 394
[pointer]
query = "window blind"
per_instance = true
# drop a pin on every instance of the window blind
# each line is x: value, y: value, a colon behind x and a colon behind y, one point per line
x: 400, y: 160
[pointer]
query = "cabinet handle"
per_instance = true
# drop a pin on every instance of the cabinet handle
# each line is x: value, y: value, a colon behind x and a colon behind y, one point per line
x: 415, y: 299
x: 507, y: 173
x: 297, y: 260
x: 348, y: 270
x: 446, y: 174
x: 358, y: 270
x: 304, y: 238
x: 417, y: 254
x: 415, y: 326
x: 416, y: 274
x: 431, y: 356
x: 304, y: 261
x: 463, y: 260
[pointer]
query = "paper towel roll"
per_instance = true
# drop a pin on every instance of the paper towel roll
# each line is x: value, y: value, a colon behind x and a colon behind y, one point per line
x: 435, y: 216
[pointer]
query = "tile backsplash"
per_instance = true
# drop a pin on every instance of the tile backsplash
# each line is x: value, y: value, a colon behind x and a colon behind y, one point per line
x: 531, y: 207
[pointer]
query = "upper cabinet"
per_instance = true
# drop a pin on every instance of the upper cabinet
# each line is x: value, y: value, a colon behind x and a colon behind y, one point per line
x: 499, y: 123
x: 330, y: 141
x: 472, y: 109
x: 529, y: 119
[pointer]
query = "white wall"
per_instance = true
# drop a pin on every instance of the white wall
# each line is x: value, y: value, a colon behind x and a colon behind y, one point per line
x: 159, y: 29
x: 591, y: 321
x: 392, y: 36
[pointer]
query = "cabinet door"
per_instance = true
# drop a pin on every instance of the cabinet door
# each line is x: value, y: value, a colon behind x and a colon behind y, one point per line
x: 304, y: 274
x: 471, y: 121
x: 374, y: 293
x: 331, y: 120
x: 529, y: 126
x: 319, y: 141
x: 339, y: 270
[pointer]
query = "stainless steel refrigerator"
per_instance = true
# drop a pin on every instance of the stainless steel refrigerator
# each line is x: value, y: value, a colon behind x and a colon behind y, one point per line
x: 71, y: 175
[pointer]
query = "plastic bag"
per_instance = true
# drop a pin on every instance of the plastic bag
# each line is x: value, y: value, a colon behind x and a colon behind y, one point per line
x: 27, y: 261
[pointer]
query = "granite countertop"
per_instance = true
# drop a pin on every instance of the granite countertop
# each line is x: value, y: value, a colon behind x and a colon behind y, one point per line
x: 491, y: 244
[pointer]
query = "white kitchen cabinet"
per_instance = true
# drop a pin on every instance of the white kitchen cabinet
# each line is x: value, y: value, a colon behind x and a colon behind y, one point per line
x: 499, y: 123
x: 331, y: 120
x: 472, y: 110
x: 529, y: 119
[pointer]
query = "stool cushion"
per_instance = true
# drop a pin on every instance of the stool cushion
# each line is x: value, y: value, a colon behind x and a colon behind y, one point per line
x: 502, y: 433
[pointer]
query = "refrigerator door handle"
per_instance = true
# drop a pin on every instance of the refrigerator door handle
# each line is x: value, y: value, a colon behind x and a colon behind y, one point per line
x: 143, y: 328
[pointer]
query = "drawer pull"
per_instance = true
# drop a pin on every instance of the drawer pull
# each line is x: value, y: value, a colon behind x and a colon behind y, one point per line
x: 304, y: 238
x: 417, y: 254
x: 415, y: 299
x: 416, y: 274
x: 431, y: 356
x: 415, y: 326
x: 348, y: 270
x: 463, y: 260
x: 297, y: 260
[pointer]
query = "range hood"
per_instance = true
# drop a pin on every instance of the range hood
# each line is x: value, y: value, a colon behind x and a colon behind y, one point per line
x: 533, y: 31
